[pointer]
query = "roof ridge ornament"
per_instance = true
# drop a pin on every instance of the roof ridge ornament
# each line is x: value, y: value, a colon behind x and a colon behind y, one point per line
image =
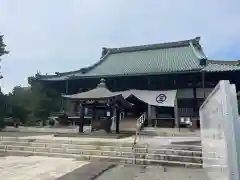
x: 104, y: 51
x: 198, y: 38
x: 196, y: 52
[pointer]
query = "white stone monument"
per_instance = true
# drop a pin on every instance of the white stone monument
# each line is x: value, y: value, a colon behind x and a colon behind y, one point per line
x: 220, y: 133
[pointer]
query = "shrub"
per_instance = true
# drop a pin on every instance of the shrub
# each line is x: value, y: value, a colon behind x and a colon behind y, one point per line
x: 51, y: 122
x: 2, y: 124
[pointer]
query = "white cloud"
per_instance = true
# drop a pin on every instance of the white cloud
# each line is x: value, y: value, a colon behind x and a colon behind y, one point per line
x: 64, y: 35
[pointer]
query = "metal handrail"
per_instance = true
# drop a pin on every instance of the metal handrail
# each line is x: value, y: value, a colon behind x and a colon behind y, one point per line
x: 114, y: 117
x: 122, y: 114
x: 140, y: 122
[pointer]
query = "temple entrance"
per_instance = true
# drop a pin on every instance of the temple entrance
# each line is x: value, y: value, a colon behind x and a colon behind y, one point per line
x: 164, y: 117
x: 138, y: 107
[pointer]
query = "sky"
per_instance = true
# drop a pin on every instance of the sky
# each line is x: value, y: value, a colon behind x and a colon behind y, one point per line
x: 59, y: 35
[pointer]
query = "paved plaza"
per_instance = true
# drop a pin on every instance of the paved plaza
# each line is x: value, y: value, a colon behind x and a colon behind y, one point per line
x: 153, y: 173
x: 47, y: 168
x: 51, y: 168
x: 36, y: 168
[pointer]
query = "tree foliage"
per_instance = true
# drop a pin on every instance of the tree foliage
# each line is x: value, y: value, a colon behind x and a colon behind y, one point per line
x: 28, y: 104
x: 2, y: 47
x: 33, y: 104
x: 3, y: 111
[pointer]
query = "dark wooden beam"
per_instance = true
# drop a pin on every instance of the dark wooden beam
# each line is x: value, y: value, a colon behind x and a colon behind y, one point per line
x: 203, y: 84
x: 117, y: 120
x: 195, y: 102
x: 82, y: 114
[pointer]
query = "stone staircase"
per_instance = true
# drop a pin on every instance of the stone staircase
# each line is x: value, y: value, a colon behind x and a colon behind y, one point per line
x: 176, y: 155
x: 128, y: 124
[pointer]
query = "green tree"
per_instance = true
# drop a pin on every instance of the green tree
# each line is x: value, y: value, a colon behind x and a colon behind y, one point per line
x: 19, y: 104
x: 3, y: 111
x: 46, y: 99
x: 2, y: 47
x: 3, y: 50
x: 33, y: 104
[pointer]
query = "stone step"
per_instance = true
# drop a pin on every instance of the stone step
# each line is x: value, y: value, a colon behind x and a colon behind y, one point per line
x: 117, y: 159
x: 97, y: 143
x: 105, y: 148
x: 180, y: 147
x: 74, y: 142
x: 154, y: 156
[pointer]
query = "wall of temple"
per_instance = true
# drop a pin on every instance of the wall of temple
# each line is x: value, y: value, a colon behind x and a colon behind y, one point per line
x: 188, y: 93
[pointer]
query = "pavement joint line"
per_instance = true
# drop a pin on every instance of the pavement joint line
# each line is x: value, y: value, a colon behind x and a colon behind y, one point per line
x: 100, y: 173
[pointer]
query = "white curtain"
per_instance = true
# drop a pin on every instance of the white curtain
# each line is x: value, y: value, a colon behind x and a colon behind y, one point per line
x: 156, y: 98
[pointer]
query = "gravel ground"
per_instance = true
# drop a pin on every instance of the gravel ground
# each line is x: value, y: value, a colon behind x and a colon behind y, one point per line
x: 153, y: 173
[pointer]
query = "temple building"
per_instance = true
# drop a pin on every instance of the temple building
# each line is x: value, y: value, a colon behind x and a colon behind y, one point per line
x: 168, y: 81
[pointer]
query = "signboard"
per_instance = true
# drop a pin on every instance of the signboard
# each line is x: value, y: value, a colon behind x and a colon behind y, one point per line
x: 219, y: 127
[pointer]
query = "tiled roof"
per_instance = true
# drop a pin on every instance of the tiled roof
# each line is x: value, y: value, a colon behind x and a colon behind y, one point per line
x: 236, y: 62
x: 172, y: 57
x: 155, y: 61
x: 61, y: 76
x: 161, y: 58
x: 220, y: 67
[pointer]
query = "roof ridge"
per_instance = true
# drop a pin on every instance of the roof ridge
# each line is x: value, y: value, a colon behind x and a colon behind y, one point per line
x: 89, y: 68
x: 154, y: 46
x: 224, y: 62
x: 197, y: 53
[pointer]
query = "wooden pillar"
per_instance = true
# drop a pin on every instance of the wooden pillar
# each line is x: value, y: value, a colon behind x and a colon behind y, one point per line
x: 203, y: 84
x: 109, y: 118
x: 117, y: 120
x: 62, y: 102
x: 82, y: 114
x: 149, y: 115
x: 195, y: 108
x: 66, y: 87
x: 93, y: 119
x: 195, y: 103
